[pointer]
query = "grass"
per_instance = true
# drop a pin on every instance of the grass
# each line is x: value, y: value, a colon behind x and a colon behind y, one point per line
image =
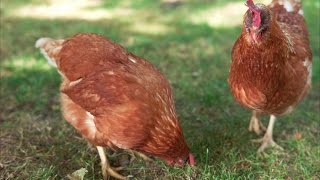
x: 36, y: 143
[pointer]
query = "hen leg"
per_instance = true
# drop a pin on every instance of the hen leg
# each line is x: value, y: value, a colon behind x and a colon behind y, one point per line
x: 255, y: 124
x: 267, y: 140
x: 105, y: 166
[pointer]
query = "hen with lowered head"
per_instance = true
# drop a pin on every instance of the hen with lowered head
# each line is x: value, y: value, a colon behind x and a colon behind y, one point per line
x: 116, y: 99
x: 271, y: 63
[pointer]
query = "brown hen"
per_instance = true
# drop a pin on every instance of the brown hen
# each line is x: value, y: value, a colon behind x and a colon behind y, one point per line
x: 116, y: 99
x: 271, y: 63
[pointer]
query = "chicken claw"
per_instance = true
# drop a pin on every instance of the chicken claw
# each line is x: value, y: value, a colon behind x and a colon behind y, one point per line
x: 267, y: 140
x: 256, y: 125
x: 139, y: 154
x: 107, y: 170
x: 265, y: 143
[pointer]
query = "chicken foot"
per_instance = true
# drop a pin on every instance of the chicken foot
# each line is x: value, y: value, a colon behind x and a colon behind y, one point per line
x: 255, y: 124
x: 139, y: 154
x: 107, y: 170
x: 267, y: 140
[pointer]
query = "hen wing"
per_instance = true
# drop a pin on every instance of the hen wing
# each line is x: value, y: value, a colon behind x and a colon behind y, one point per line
x: 119, y: 104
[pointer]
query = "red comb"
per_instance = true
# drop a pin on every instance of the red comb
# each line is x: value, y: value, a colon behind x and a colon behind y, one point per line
x: 255, y: 11
x: 191, y: 160
x: 249, y: 3
x: 251, y: 6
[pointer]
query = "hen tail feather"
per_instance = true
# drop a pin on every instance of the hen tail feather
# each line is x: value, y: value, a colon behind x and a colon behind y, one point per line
x: 50, y: 48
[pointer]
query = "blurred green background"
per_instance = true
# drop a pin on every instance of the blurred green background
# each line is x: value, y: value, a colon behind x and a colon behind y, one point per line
x: 190, y: 41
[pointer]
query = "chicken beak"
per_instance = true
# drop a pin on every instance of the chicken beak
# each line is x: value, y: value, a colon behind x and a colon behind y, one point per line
x: 255, y: 34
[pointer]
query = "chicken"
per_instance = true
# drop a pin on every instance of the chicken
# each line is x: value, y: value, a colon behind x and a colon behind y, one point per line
x: 116, y: 99
x: 271, y: 63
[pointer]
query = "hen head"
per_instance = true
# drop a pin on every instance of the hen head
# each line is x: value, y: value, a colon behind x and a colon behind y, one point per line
x: 256, y: 20
x: 167, y: 142
x: 180, y: 161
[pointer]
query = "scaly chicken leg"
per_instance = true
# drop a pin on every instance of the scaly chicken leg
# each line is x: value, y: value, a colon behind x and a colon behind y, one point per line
x: 107, y: 170
x: 255, y: 124
x: 267, y: 140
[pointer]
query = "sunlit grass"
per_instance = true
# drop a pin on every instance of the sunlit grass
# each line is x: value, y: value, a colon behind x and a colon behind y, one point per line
x: 70, y: 9
x: 26, y: 63
x: 225, y: 16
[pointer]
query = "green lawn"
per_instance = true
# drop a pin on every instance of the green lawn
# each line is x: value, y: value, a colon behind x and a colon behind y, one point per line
x: 194, y: 53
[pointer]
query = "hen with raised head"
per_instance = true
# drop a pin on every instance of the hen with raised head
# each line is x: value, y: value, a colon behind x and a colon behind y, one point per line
x: 271, y: 63
x: 116, y: 99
